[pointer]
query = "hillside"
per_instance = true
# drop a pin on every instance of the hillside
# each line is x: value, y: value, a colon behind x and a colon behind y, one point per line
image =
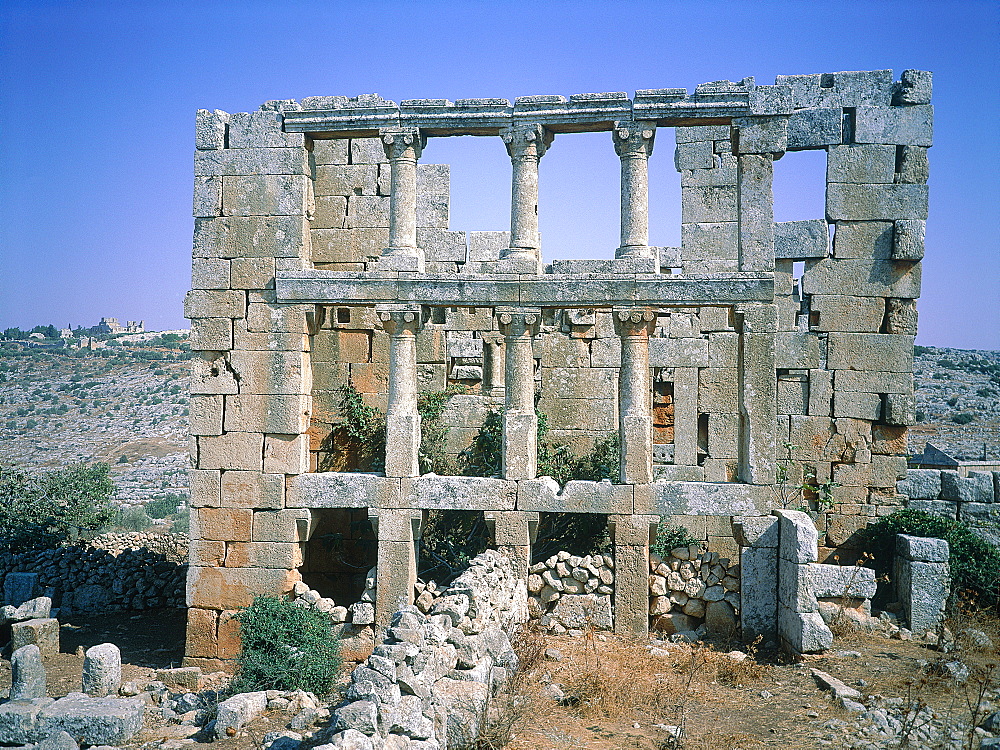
x: 127, y: 406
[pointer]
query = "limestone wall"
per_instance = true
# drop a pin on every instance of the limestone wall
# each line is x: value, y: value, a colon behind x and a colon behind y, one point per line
x: 973, y: 499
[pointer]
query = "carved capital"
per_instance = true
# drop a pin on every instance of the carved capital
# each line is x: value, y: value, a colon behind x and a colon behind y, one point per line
x: 527, y: 140
x: 400, y: 320
x: 402, y: 143
x: 634, y: 321
x: 516, y: 322
x: 634, y: 138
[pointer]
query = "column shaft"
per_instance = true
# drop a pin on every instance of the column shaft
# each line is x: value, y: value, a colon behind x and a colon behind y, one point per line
x: 634, y: 144
x: 494, y: 366
x: 635, y: 418
x: 403, y: 148
x: 520, y: 424
x: 402, y: 436
x: 526, y: 144
x: 397, y: 532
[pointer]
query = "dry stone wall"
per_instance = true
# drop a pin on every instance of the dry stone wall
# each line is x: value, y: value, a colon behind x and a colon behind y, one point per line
x: 973, y: 500
x: 323, y: 256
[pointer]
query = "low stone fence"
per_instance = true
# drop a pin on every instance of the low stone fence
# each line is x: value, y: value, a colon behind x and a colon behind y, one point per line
x: 973, y: 500
x: 692, y: 589
x: 431, y: 678
x: 569, y: 593
x: 87, y: 579
x: 173, y: 547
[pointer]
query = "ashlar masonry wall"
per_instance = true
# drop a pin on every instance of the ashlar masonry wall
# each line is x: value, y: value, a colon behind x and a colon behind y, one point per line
x: 323, y: 256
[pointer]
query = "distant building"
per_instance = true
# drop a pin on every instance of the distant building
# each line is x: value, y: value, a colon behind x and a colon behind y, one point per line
x: 935, y: 458
x: 65, y: 333
x: 111, y: 325
x: 36, y: 335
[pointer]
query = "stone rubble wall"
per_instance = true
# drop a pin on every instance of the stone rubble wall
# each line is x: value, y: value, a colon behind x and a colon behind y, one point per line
x: 691, y: 588
x: 173, y: 547
x: 86, y: 579
x: 973, y: 500
x: 428, y: 682
x: 569, y: 593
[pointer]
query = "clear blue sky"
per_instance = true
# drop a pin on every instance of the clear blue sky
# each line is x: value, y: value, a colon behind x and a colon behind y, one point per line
x: 99, y: 100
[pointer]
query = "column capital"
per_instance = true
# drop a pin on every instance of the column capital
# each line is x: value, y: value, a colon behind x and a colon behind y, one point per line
x: 518, y: 321
x: 634, y: 321
x: 634, y: 138
x: 402, y: 143
x: 494, y: 338
x: 398, y: 320
x: 527, y: 140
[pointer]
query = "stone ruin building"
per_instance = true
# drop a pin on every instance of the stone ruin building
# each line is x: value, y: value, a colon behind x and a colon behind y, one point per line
x: 754, y: 351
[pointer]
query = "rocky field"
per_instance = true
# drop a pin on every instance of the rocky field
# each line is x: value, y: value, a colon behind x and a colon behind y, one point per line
x: 128, y: 406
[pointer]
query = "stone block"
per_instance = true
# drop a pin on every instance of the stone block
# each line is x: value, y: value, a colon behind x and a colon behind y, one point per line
x: 223, y: 524
x: 841, y: 89
x: 875, y: 202
x: 861, y: 164
x: 846, y: 313
x: 710, y: 240
x: 442, y: 245
x: 453, y: 493
x: 794, y: 587
x: 207, y: 200
x: 272, y: 373
x: 795, y: 350
x: 261, y: 129
x: 709, y: 204
x: 330, y: 213
x: 943, y: 508
x: 814, y: 127
x: 210, y: 128
x: 28, y: 681
x: 211, y: 334
x: 756, y: 531
x: 236, y: 712
x: 801, y: 239
x: 901, y: 126
x: 912, y: 165
x: 820, y: 393
x: 365, y: 211
x: 908, y: 239
x: 367, y: 151
x: 207, y: 552
x: 102, y: 670
x: 41, y: 632
x: 678, y: 352
x: 432, y: 210
x: 234, y: 450
x: 915, y: 87
x: 584, y: 611
x: 286, y: 454
x: 758, y: 584
x: 957, y: 488
x: 284, y: 556
x: 845, y: 581
x: 922, y: 549
x: 865, y: 240
x: 899, y: 409
x: 857, y: 405
x: 251, y: 161
x: 691, y: 134
x: 282, y: 414
x: 718, y: 390
x: 251, y: 273
x: 870, y: 381
x: 346, y: 179
x: 330, y: 151
x: 265, y: 195
x: 486, y: 246
x: 756, y: 212
x: 201, y: 638
x: 694, y: 155
x: 792, y: 395
x: 211, y: 303
x: 901, y: 316
x: 723, y: 435
x: 761, y: 135
x: 287, y: 526
x: 798, y: 538
x: 251, y: 489
x: 235, y: 588
x: 19, y: 588
x: 803, y: 632
x: 876, y: 352
x: 348, y: 245
x: 330, y: 489
x: 923, y: 588
x: 250, y: 237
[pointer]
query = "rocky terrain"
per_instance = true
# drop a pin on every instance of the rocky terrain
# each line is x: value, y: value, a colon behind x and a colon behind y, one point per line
x: 122, y: 406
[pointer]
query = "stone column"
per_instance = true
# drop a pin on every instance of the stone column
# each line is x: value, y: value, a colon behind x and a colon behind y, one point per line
x: 402, y: 147
x: 513, y: 534
x: 397, y: 532
x: 631, y: 535
x: 635, y: 417
x: 402, y: 430
x: 757, y: 396
x: 526, y: 144
x: 634, y: 144
x: 520, y: 424
x: 493, y: 365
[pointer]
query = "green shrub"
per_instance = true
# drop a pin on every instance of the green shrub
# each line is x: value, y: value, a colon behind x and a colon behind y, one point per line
x: 670, y: 537
x: 964, y: 418
x: 182, y: 524
x: 364, y: 429
x: 483, y: 457
x: 41, y: 510
x: 577, y: 533
x: 974, y: 562
x: 433, y: 435
x: 133, y: 518
x: 285, y: 647
x: 163, y: 507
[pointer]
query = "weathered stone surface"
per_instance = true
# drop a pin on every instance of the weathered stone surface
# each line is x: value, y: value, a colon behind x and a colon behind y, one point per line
x: 584, y: 610
x: 903, y: 126
x: 28, y: 680
x: 236, y: 712
x: 798, y: 537
x: 922, y: 549
x: 801, y: 239
x: 875, y: 202
x: 43, y: 633
x: 924, y: 484
x: 804, y: 632
x: 102, y: 670
x: 814, y: 127
x: 93, y: 721
x: 19, y: 588
x: 19, y: 721
x: 853, y: 581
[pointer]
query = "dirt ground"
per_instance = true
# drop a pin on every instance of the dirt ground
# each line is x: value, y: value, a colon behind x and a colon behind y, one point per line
x: 616, y: 692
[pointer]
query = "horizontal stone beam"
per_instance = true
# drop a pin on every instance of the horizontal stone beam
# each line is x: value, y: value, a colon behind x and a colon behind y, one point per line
x: 549, y: 290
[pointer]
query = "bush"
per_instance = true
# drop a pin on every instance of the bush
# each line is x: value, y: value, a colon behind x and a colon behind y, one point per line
x: 670, y: 537
x: 964, y: 418
x: 182, y: 524
x: 163, y: 507
x: 449, y: 540
x: 975, y: 563
x: 42, y: 510
x: 133, y: 518
x: 285, y: 647
x: 577, y: 533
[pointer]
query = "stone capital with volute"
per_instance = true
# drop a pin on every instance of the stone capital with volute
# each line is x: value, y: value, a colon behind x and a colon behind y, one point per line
x: 526, y: 143
x: 634, y: 143
x: 403, y: 147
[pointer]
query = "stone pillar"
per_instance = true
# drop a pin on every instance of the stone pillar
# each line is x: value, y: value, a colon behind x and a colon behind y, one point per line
x: 520, y: 424
x: 513, y: 534
x: 397, y: 532
x: 922, y: 580
x: 631, y: 536
x: 634, y: 145
x: 402, y: 147
x: 493, y: 365
x: 635, y: 417
x: 526, y: 144
x: 402, y: 428
x: 757, y: 396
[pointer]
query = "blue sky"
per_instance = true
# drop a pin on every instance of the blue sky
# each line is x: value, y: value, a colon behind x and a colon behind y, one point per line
x: 99, y: 100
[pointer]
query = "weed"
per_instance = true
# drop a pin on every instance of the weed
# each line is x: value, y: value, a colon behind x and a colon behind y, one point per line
x: 669, y: 537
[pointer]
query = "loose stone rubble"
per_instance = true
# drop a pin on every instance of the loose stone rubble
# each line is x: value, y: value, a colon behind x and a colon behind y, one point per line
x: 572, y: 593
x: 323, y: 257
x: 694, y: 590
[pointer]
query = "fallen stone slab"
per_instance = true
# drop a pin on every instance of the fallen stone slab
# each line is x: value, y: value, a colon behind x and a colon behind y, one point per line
x: 835, y: 686
x: 188, y: 679
x: 93, y: 721
x: 58, y: 741
x: 37, y: 608
x: 19, y: 721
x: 236, y: 712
